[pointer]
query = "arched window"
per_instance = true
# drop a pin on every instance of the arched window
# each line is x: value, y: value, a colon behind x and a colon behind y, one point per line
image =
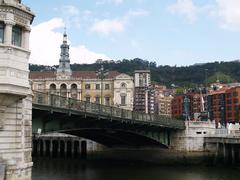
x: 2, y: 32
x: 123, y: 85
x: 63, y: 90
x: 52, y: 89
x: 17, y: 36
x: 74, y: 91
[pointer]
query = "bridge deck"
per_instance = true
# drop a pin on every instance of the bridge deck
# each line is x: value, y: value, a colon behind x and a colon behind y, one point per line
x: 44, y: 101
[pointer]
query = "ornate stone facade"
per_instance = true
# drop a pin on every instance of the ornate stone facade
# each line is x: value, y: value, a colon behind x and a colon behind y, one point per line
x: 15, y: 92
x: 84, y: 85
x: 123, y: 91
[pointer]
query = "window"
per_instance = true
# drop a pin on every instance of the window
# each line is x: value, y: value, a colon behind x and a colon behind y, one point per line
x: 17, y: 36
x: 235, y: 94
x: 107, y: 86
x: 107, y: 101
x: 229, y: 115
x: 1, y: 32
x: 229, y: 101
x: 97, y: 100
x: 39, y: 86
x: 229, y: 95
x: 87, y: 86
x: 235, y: 100
x: 87, y: 98
x: 229, y: 107
x: 123, y: 100
x: 123, y: 85
x: 97, y: 86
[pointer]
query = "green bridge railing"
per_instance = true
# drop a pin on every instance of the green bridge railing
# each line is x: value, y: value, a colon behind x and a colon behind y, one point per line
x: 57, y: 101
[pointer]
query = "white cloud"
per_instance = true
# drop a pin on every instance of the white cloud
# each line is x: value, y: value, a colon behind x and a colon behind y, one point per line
x: 102, y: 2
x: 70, y: 10
x: 228, y: 12
x: 71, y: 15
x: 109, y: 26
x: 45, y: 45
x: 135, y: 13
x: 185, y: 8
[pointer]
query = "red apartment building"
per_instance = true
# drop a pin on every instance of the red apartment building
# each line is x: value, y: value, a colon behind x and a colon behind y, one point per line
x: 195, y: 105
x: 177, y: 106
x: 232, y: 99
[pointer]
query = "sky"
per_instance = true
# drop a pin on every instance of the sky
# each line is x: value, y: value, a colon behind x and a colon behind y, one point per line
x: 169, y: 32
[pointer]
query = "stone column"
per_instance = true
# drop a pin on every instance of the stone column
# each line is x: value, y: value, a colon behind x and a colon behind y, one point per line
x: 216, y: 153
x: 72, y: 148
x: 39, y: 148
x: 44, y: 147
x: 26, y: 35
x: 51, y: 148
x: 225, y: 154
x: 233, y: 153
x: 59, y: 148
x: 79, y: 148
x: 65, y: 149
x: 8, y: 32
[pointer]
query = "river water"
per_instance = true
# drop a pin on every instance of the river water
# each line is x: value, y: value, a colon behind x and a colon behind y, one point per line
x: 76, y: 169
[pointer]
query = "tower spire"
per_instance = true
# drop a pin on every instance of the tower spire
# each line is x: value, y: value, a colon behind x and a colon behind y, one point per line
x: 64, y: 61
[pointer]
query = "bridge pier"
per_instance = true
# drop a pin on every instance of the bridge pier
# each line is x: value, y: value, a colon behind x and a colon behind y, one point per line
x: 62, y: 145
x: 15, y: 92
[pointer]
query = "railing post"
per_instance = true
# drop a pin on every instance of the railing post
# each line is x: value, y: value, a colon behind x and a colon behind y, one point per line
x: 85, y: 106
x: 51, y: 100
x: 69, y: 103
x: 111, y: 109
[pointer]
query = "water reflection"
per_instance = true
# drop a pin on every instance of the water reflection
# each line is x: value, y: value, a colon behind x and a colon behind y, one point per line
x: 60, y: 169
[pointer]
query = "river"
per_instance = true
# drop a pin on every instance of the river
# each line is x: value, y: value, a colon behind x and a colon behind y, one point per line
x: 103, y: 169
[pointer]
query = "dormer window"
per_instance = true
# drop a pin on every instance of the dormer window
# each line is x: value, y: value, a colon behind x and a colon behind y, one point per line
x: 17, y: 36
x: 1, y: 32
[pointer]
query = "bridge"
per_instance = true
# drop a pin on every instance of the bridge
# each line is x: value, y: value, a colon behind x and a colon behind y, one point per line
x: 110, y: 126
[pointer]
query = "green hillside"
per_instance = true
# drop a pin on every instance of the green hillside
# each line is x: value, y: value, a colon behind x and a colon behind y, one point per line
x: 188, y: 76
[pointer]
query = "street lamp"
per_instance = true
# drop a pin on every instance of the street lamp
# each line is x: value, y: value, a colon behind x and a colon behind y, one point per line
x: 101, y: 74
x: 186, y: 102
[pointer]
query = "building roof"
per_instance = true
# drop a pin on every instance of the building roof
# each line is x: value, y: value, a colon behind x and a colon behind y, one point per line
x: 75, y: 74
x: 42, y: 74
x: 220, y: 91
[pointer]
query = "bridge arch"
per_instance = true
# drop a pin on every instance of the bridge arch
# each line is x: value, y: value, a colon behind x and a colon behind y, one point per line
x: 115, y: 137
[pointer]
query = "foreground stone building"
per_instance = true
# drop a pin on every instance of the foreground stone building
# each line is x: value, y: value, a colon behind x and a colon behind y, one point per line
x: 15, y: 92
x: 113, y: 89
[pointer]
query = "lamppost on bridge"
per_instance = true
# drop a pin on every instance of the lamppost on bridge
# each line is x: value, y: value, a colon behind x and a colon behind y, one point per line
x: 186, y: 102
x: 101, y: 74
